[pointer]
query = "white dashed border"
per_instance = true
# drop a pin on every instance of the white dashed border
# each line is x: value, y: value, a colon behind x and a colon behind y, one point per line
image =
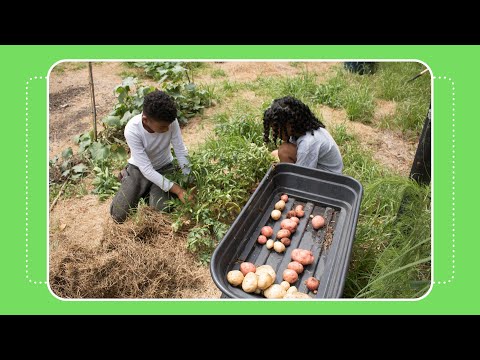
x: 452, y: 83
x: 27, y: 276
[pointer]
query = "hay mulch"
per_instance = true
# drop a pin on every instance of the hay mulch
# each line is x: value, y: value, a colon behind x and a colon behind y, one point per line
x: 142, y: 258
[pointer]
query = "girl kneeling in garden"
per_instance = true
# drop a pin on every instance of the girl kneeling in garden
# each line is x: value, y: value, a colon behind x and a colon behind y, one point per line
x: 306, y: 142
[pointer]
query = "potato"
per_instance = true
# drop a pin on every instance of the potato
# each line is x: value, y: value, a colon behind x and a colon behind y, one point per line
x: 280, y: 205
x: 247, y: 267
x: 286, y: 241
x: 304, y: 257
x: 270, y: 244
x: 283, y: 233
x: 258, y: 291
x: 264, y: 280
x: 250, y: 282
x: 266, y: 268
x: 299, y: 212
x: 278, y: 247
x: 296, y: 219
x: 275, y: 292
x: 318, y: 222
x: 262, y: 240
x: 284, y: 197
x: 267, y: 231
x: 292, y: 289
x: 289, y: 225
x: 235, y: 277
x: 290, y: 275
x: 312, y: 283
x: 276, y: 214
x: 285, y: 285
x: 298, y: 208
x: 297, y: 295
x: 290, y: 214
x: 296, y: 266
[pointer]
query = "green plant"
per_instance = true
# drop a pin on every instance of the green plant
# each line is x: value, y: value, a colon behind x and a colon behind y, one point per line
x: 391, y: 252
x: 225, y: 172
x: 190, y: 99
x: 358, y: 103
x: 66, y: 167
x: 106, y: 184
x: 216, y: 73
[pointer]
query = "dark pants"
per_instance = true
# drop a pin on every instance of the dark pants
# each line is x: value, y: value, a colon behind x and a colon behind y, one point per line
x: 134, y: 186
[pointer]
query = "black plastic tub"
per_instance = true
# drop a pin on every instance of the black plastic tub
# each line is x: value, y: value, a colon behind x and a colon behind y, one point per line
x: 336, y: 197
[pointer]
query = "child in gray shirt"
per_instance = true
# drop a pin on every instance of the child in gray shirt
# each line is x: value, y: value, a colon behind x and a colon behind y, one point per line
x: 306, y: 142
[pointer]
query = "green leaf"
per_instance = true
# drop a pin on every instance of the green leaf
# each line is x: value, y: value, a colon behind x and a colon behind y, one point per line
x: 99, y: 151
x: 67, y: 153
x: 80, y: 168
x: 129, y: 82
x: 66, y: 172
x: 127, y: 116
x: 112, y: 121
x: 118, y: 152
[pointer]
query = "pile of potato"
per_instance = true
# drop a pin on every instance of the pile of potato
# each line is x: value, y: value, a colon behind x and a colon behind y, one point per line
x: 260, y: 280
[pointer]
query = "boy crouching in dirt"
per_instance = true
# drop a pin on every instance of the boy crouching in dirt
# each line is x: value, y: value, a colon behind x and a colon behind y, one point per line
x: 306, y: 142
x: 149, y: 136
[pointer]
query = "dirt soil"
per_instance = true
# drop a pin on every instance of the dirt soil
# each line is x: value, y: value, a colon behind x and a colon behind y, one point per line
x: 84, y: 223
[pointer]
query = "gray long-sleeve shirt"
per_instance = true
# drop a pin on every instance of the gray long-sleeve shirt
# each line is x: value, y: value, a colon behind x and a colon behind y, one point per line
x: 319, y: 151
x: 150, y: 151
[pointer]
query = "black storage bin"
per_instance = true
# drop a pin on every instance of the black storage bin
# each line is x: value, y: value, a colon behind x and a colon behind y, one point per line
x: 336, y: 197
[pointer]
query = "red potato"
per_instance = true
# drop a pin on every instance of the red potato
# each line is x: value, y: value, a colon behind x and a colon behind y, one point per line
x: 286, y: 241
x: 290, y: 214
x: 296, y: 266
x: 296, y: 219
x: 312, y: 283
x: 289, y: 224
x: 284, y: 197
x: 299, y: 212
x: 283, y: 234
x: 318, y: 222
x: 290, y: 276
x: 262, y: 239
x: 247, y: 267
x: 267, y: 231
x: 304, y: 257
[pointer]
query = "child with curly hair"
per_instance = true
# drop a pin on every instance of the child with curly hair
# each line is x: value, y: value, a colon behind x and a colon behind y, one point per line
x: 306, y: 142
x: 149, y: 136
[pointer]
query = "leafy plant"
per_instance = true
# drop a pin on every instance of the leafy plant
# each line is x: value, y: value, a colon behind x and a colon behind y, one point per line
x: 106, y: 184
x: 225, y: 173
x: 67, y: 166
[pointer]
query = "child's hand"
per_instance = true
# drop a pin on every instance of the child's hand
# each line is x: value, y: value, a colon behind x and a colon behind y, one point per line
x: 177, y: 190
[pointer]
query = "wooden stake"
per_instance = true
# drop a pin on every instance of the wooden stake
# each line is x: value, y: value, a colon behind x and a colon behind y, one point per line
x: 92, y: 94
x: 59, y: 193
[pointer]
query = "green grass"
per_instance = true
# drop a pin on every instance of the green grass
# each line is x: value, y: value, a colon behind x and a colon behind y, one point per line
x: 65, y: 66
x: 302, y: 87
x: 225, y: 169
x: 71, y: 190
x: 357, y: 93
x: 217, y: 73
x: 391, y: 253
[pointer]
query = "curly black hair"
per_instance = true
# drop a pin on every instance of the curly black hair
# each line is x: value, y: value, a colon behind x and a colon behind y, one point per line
x: 160, y: 106
x: 288, y: 110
